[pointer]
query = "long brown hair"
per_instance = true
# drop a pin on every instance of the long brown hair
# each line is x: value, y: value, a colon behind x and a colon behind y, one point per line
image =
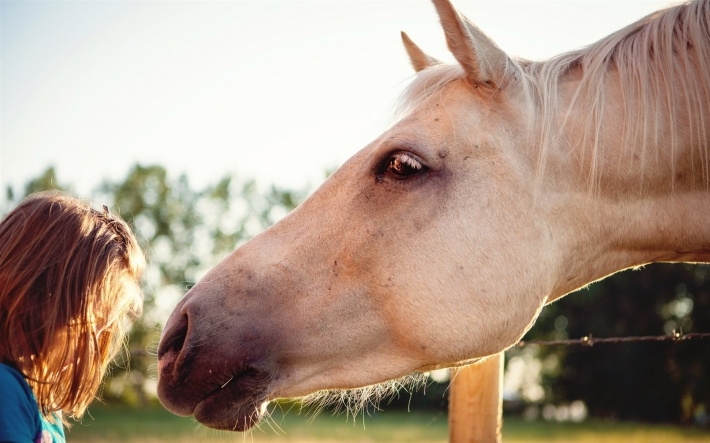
x: 69, y: 290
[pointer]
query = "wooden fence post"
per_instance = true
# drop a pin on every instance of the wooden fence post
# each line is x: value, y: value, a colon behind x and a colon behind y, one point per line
x: 476, y: 402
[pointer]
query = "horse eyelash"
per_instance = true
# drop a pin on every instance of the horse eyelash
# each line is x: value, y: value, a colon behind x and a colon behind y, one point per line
x: 409, y: 161
x: 404, y: 158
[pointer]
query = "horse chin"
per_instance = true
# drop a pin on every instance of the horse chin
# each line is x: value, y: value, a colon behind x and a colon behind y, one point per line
x: 236, y: 404
x: 224, y: 410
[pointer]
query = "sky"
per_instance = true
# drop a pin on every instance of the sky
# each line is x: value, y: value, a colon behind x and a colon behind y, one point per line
x: 276, y: 91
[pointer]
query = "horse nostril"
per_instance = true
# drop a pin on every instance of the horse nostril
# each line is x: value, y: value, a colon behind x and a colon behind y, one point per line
x: 174, y: 337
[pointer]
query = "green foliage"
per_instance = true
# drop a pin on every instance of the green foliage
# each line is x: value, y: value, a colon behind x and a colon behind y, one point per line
x: 44, y: 182
x: 184, y: 232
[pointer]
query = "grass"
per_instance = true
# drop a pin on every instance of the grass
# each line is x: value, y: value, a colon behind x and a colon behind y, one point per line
x: 155, y: 425
x: 126, y: 425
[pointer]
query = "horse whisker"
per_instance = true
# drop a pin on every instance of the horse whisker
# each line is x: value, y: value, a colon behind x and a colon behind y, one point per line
x: 226, y: 383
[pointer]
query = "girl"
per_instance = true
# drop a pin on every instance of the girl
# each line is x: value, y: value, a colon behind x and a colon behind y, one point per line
x: 69, y: 290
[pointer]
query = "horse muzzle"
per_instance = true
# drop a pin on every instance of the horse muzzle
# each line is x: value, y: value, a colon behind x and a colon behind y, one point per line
x: 223, y: 388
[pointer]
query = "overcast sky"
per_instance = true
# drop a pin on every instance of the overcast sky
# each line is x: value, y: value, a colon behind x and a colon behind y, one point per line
x: 277, y: 91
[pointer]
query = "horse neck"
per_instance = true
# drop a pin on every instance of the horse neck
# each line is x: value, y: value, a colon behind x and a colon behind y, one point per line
x: 631, y: 195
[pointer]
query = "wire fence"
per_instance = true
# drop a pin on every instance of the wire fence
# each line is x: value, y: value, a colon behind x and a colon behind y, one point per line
x: 589, y: 340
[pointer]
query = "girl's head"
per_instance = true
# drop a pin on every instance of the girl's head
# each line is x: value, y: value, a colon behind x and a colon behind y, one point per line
x: 69, y: 290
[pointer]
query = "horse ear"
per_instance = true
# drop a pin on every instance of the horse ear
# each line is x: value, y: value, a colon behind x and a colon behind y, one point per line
x: 483, y: 61
x: 419, y: 59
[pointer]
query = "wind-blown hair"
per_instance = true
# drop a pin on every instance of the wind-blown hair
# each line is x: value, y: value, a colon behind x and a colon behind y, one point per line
x: 662, y: 63
x: 69, y: 290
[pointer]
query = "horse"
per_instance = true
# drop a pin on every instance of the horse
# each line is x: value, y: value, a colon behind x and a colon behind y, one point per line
x: 503, y: 185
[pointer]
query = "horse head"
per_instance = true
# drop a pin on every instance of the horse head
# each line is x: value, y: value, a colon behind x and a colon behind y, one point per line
x: 435, y: 245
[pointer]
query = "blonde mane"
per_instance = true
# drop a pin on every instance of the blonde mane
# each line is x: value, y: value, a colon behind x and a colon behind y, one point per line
x: 663, y: 65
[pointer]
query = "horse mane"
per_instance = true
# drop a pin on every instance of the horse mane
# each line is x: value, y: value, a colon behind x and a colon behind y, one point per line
x: 663, y: 65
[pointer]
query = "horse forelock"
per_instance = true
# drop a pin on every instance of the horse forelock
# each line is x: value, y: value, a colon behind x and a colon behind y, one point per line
x: 662, y: 63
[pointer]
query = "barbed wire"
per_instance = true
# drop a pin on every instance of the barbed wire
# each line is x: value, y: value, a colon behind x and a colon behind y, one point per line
x: 589, y: 340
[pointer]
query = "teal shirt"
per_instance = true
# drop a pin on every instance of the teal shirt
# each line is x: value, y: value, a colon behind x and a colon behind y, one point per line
x: 20, y: 418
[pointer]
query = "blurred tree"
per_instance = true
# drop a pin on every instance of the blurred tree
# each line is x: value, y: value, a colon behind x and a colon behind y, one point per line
x: 44, y: 182
x: 184, y: 232
x: 652, y: 381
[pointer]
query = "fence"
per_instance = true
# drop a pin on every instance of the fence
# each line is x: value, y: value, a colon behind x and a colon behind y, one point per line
x: 476, y: 397
x: 476, y: 402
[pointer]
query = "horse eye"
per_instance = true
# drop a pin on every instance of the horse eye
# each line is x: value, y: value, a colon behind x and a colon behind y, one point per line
x: 403, y: 165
